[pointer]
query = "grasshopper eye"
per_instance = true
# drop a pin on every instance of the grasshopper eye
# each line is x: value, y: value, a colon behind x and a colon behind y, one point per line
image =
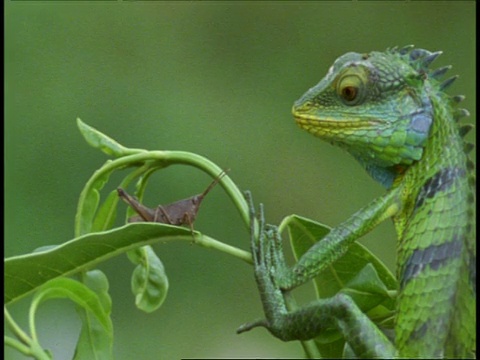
x: 350, y: 89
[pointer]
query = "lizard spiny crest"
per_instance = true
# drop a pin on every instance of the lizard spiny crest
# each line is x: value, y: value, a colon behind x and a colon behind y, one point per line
x: 420, y: 59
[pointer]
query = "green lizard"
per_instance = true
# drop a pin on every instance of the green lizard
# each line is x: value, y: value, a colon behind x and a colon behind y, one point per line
x: 390, y: 111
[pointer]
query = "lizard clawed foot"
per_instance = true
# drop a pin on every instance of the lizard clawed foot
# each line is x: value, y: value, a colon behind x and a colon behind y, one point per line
x: 268, y: 262
x: 266, y: 247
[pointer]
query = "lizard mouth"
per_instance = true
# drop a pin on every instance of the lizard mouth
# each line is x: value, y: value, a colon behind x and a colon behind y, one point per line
x: 313, y: 123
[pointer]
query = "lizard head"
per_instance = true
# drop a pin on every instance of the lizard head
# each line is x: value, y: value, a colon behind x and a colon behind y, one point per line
x: 374, y: 105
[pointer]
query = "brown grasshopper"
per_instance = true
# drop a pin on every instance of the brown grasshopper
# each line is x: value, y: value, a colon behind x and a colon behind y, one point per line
x: 181, y: 212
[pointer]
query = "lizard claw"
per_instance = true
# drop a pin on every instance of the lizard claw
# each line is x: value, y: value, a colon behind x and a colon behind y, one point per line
x: 249, y: 326
x: 268, y: 261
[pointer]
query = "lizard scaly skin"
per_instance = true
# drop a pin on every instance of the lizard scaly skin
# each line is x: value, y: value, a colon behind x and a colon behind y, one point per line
x: 390, y: 111
x: 418, y: 149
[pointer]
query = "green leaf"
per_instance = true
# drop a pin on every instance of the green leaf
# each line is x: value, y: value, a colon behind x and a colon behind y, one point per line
x: 107, y: 213
x: 86, y: 215
x: 103, y: 142
x: 149, y: 281
x: 89, y: 200
x: 366, y: 288
x: 97, y: 281
x: 304, y: 233
x: 25, y: 273
x: 358, y: 273
x: 75, y: 291
x: 95, y: 342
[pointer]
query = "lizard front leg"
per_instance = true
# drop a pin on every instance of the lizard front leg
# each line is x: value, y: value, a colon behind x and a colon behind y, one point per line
x: 339, y: 312
x: 336, y: 243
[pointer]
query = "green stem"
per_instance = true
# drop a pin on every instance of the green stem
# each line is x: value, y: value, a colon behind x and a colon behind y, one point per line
x: 211, y: 243
x: 17, y: 345
x: 25, y: 345
x: 16, y: 330
x: 163, y: 158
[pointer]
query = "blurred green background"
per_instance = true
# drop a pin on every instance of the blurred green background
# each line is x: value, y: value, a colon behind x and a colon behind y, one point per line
x: 214, y: 78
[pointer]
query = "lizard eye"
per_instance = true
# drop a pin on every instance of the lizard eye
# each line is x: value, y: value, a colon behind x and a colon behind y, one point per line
x: 350, y: 89
x: 349, y: 93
